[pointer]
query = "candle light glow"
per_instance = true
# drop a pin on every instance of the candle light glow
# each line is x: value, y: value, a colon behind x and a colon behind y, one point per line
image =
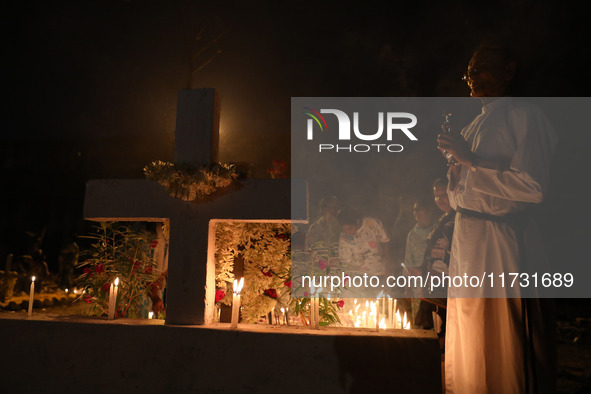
x: 31, y: 296
x: 236, y: 302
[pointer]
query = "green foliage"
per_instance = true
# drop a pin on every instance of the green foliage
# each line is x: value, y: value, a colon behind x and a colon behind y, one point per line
x: 320, y: 259
x: 119, y: 251
x: 327, y: 311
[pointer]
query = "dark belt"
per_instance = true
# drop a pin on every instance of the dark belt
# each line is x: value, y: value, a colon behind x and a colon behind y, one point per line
x: 514, y: 219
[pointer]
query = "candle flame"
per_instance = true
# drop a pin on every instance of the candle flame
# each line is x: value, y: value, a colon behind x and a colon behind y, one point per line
x: 240, y: 285
x: 117, y: 281
x: 383, y: 323
x: 283, y: 310
x: 407, y: 327
x: 33, y: 279
x: 66, y: 290
x: 355, y: 301
x: 405, y: 322
x: 357, y: 322
x: 150, y: 315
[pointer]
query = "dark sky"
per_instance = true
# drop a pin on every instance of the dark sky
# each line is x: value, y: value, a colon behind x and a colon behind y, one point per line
x: 104, y: 74
x: 91, y: 85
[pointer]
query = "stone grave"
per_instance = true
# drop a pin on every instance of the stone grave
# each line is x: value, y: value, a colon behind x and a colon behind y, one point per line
x: 190, y: 353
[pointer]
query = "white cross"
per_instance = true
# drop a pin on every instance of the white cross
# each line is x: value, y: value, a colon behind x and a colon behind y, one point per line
x: 191, y: 275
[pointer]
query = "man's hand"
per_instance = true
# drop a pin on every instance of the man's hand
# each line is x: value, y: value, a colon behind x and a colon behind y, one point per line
x: 457, y: 146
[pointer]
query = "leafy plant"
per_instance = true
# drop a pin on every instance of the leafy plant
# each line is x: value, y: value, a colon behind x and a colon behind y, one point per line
x: 321, y: 259
x: 327, y: 311
x: 119, y: 251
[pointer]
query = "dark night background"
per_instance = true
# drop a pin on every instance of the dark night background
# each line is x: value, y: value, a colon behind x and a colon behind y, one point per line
x: 90, y: 87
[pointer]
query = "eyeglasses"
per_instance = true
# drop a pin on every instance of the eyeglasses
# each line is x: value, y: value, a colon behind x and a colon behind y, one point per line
x: 471, y: 72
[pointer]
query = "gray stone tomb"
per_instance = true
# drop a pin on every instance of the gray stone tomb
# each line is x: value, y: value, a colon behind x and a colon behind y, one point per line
x: 191, y: 273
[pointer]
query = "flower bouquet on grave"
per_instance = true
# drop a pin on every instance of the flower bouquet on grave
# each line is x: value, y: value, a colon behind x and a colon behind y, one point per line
x: 265, y: 249
x: 320, y: 260
x: 119, y: 251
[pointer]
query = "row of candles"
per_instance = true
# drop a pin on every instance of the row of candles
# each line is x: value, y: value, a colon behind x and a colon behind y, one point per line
x: 32, y: 295
x: 379, y: 314
x: 280, y: 319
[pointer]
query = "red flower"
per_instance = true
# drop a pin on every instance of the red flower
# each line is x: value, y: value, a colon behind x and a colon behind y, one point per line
x: 87, y: 272
x: 99, y: 268
x: 267, y: 274
x: 148, y: 270
x: 88, y: 299
x: 219, y: 295
x: 154, y: 243
x: 271, y: 293
x: 106, y: 287
x: 306, y: 294
x: 288, y: 283
x: 341, y: 303
x: 322, y: 264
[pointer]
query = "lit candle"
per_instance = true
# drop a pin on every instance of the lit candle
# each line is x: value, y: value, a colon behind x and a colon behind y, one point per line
x: 273, y: 316
x: 366, y: 313
x: 110, y: 313
x: 397, y: 325
x: 378, y: 314
x: 390, y: 312
x: 284, y: 318
x: 31, y: 296
x: 405, y: 321
x: 287, y: 316
x: 113, y: 298
x: 236, y: 302
x: 150, y: 315
x: 316, y: 312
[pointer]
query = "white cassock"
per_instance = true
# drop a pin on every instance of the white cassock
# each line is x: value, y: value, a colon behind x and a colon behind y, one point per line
x: 485, y: 337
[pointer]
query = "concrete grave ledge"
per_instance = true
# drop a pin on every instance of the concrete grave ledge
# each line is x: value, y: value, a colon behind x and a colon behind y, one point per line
x: 75, y: 354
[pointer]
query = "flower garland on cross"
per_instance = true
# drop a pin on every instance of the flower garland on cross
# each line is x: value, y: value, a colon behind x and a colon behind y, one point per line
x: 191, y: 182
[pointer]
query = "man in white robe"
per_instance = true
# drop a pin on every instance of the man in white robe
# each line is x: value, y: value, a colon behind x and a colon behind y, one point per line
x: 504, y: 159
